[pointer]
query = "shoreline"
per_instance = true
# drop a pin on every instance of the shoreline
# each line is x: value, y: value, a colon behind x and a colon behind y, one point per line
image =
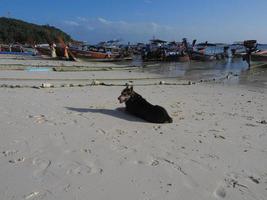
x: 31, y: 69
x: 14, y: 62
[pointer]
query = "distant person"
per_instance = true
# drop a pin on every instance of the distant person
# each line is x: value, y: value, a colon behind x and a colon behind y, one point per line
x: 225, y: 51
x: 233, y: 51
x: 66, y: 54
x: 109, y: 53
x: 35, y: 51
x: 53, y: 50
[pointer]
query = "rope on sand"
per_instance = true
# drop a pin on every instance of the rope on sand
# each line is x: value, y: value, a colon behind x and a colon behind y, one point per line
x: 48, y: 85
x: 130, y: 82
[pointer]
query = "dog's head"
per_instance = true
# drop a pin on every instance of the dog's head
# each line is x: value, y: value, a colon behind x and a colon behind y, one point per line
x: 126, y: 94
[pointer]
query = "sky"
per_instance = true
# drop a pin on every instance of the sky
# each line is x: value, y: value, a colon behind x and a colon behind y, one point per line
x: 140, y: 20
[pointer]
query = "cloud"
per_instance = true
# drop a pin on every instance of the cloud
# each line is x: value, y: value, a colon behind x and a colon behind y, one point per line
x: 71, y: 23
x: 100, y: 29
x: 104, y: 21
x: 82, y: 19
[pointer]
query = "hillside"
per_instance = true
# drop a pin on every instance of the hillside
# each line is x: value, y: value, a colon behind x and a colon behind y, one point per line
x: 13, y: 30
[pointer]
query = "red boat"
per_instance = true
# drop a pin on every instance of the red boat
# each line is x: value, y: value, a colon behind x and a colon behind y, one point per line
x: 86, y: 55
x: 259, y: 56
x: 81, y: 54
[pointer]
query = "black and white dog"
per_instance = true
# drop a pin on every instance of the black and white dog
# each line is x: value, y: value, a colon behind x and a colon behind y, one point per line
x: 138, y: 106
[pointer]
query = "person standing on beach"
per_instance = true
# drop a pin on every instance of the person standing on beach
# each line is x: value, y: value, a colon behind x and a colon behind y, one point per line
x: 66, y: 54
x: 53, y: 50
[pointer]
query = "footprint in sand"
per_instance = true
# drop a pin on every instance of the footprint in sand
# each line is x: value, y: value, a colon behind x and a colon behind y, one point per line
x: 156, y: 128
x: 17, y: 160
x: 80, y: 170
x: 58, y: 138
x: 38, y: 119
x: 12, y: 154
x: 220, y: 192
x: 76, y: 168
x: 238, y: 182
x: 121, y: 132
x: 42, y: 166
x: 188, y: 180
x: 152, y: 162
x: 9, y: 153
x: 101, y: 131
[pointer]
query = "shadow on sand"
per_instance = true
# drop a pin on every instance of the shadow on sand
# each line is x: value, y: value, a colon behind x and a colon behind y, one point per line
x: 118, y: 113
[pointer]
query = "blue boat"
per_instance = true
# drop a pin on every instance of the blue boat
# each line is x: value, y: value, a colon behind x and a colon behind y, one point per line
x: 17, y: 53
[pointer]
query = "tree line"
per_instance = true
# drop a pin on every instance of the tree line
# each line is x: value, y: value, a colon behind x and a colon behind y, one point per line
x: 18, y: 31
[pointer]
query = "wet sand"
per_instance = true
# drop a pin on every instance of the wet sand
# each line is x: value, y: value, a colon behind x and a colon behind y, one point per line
x: 78, y: 142
x: 19, y: 62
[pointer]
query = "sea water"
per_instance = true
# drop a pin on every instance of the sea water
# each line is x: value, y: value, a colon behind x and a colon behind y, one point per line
x: 235, y: 69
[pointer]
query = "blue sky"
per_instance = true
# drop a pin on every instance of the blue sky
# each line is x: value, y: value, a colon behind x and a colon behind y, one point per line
x: 140, y: 20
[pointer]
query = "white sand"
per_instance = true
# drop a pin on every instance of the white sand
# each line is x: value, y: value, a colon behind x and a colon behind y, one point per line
x: 78, y: 143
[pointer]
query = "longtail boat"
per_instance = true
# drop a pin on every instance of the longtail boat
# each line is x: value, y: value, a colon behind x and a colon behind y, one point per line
x: 84, y: 55
x: 259, y: 56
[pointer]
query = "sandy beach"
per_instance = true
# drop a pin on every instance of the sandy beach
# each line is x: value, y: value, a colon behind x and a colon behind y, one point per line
x: 77, y: 143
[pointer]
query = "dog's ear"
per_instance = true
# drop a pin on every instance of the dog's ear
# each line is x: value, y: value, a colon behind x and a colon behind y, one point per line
x: 131, y: 88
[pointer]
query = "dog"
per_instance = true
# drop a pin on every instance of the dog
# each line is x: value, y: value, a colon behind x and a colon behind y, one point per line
x: 139, y: 107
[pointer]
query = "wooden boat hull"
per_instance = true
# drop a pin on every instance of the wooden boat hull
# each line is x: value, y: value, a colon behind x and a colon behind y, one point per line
x: 44, y: 51
x: 99, y: 56
x: 47, y: 52
x: 80, y: 54
x: 16, y: 53
x: 202, y: 57
x: 177, y: 58
x: 158, y: 56
x: 259, y: 57
x: 84, y: 55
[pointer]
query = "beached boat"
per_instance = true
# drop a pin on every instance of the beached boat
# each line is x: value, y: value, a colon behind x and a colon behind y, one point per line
x: 173, y: 56
x: 180, y: 58
x: 11, y: 48
x: 82, y: 54
x: 259, y: 59
x: 16, y: 49
x: 165, y: 57
x: 43, y: 49
x: 159, y: 50
x: 199, y: 56
x: 91, y: 54
x: 259, y: 56
x: 16, y: 53
x: 209, y: 51
x: 101, y: 56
